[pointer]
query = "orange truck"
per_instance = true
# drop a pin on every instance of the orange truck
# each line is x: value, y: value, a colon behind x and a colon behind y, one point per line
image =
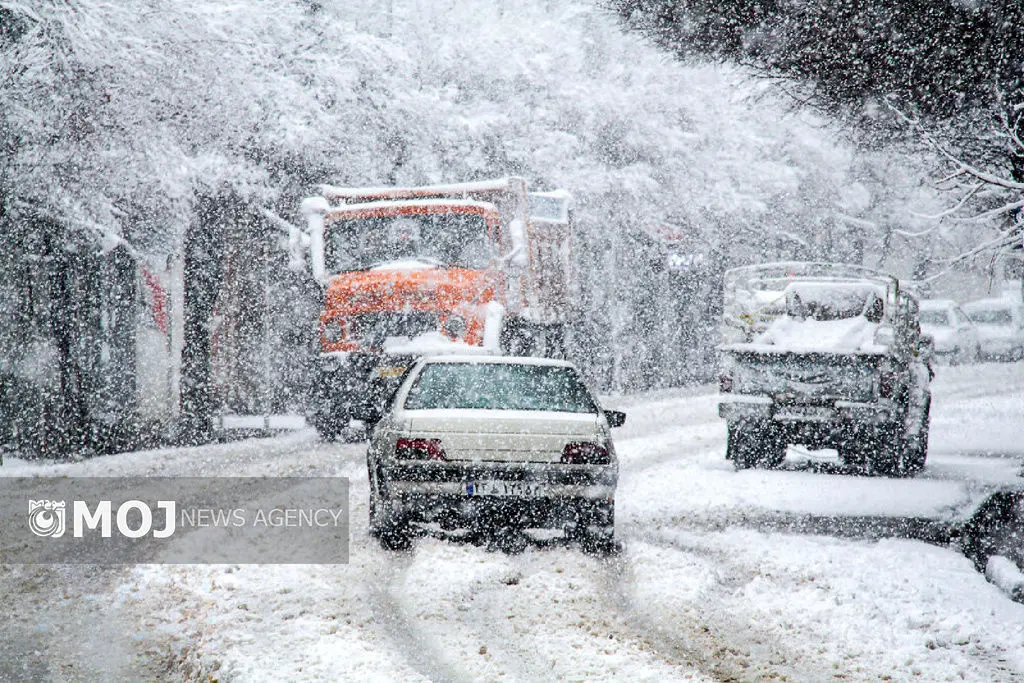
x: 482, y: 267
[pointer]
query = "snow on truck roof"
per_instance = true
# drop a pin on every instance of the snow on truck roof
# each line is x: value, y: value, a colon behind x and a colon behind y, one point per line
x: 994, y: 303
x: 781, y: 273
x: 410, y: 206
x: 452, y: 189
x: 937, y: 304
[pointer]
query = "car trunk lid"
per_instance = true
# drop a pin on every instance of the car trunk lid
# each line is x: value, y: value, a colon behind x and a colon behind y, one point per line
x: 504, y: 435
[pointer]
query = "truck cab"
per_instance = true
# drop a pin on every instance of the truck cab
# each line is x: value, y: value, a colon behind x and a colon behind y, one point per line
x: 462, y: 268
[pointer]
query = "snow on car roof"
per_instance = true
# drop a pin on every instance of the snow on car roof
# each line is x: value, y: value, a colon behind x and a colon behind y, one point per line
x: 516, y: 360
x: 937, y: 304
x: 995, y: 303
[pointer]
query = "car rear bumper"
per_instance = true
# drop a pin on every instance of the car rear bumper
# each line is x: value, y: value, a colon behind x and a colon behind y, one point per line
x: 449, y: 493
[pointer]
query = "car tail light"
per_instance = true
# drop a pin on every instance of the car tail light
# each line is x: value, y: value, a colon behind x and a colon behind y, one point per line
x: 419, y: 449
x: 725, y: 383
x: 585, y: 453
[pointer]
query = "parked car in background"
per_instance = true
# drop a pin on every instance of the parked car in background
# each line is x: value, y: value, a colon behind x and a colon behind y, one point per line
x: 1000, y: 324
x: 492, y: 445
x: 955, y: 336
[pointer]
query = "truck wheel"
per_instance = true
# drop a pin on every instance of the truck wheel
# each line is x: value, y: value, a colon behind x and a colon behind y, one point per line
x: 915, y: 443
x: 901, y: 450
x: 888, y: 452
x: 329, y: 425
x: 755, y: 445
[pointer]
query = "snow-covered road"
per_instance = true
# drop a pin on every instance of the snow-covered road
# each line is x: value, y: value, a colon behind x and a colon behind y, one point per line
x: 807, y: 573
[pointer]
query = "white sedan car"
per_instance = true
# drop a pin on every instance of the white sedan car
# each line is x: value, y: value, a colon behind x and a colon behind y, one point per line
x: 1000, y: 323
x: 492, y: 445
x: 956, y: 339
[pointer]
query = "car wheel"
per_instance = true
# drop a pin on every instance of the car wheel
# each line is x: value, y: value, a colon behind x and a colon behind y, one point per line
x: 393, y: 531
x: 374, y: 506
x: 996, y: 528
x: 594, y: 528
x: 395, y: 534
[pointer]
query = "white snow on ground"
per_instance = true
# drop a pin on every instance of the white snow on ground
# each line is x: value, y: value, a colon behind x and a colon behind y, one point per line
x: 699, y: 593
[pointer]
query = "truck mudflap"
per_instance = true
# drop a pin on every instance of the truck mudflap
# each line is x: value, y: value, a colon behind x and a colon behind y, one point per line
x: 347, y: 380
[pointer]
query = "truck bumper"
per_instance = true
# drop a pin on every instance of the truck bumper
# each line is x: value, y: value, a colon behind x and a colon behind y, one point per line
x: 344, y: 380
x: 838, y: 413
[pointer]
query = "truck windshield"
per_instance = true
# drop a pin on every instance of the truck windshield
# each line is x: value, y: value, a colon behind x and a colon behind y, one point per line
x: 372, y: 330
x: 833, y: 301
x: 500, y: 386
x: 448, y: 239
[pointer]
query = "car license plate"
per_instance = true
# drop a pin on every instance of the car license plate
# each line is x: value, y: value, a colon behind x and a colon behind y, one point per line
x: 521, y: 489
x: 389, y: 370
x: 804, y: 413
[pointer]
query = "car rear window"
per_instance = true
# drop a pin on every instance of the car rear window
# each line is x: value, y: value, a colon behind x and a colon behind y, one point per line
x: 935, y: 317
x: 991, y: 316
x: 500, y: 386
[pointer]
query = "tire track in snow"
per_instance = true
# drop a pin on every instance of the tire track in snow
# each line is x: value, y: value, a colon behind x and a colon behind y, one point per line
x: 720, y: 645
x: 486, y: 618
x: 390, y: 609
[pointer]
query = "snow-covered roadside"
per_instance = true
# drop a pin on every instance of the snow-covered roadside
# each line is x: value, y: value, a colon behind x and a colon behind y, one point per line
x: 861, y: 610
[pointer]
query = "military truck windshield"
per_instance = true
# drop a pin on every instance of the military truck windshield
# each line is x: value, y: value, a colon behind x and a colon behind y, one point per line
x: 449, y: 239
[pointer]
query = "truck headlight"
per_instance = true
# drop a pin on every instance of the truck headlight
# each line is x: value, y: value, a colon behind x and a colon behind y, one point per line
x: 455, y: 327
x: 332, y: 331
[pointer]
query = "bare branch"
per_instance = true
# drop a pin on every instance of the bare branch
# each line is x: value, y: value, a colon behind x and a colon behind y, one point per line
x: 1005, y: 239
x: 973, y: 171
x: 949, y: 212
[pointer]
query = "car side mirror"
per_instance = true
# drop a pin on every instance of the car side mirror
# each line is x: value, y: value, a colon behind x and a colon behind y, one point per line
x: 368, y: 411
x: 616, y: 418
